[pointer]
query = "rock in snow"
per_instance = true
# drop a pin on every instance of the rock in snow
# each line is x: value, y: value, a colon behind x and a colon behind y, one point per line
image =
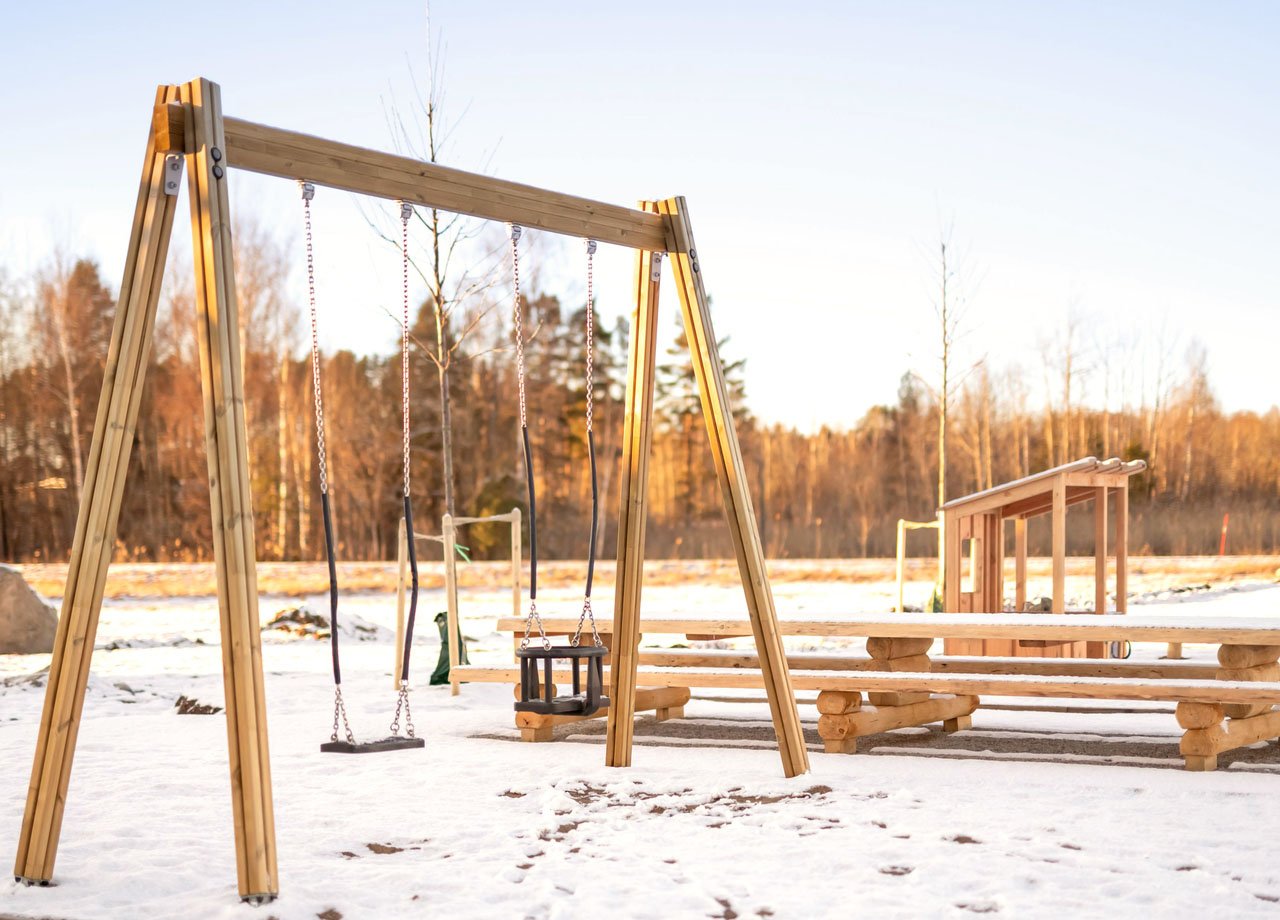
x: 304, y: 623
x: 27, y: 623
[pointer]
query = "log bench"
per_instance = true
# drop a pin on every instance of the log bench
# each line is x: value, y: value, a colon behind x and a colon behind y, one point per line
x: 898, y: 684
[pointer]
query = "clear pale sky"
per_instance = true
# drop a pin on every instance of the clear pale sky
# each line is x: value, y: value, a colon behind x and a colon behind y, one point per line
x: 1118, y: 157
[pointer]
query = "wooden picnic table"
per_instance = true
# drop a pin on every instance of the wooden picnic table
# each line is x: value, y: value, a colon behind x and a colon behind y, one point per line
x: 1220, y: 708
x: 1032, y: 626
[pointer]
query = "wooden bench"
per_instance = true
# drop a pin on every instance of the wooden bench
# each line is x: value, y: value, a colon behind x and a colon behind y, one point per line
x: 1220, y: 708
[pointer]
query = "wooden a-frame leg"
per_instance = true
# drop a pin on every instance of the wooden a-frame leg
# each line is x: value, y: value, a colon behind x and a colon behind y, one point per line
x: 718, y: 415
x: 637, y: 438
x: 453, y: 629
x: 222, y: 383
x: 94, y: 540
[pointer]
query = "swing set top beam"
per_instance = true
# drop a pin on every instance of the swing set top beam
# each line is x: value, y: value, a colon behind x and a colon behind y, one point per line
x: 294, y: 155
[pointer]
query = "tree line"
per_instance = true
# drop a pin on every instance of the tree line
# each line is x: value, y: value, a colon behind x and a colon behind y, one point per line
x: 835, y: 492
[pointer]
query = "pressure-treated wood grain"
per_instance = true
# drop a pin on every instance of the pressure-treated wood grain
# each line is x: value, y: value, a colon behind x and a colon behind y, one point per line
x: 1100, y: 552
x: 1260, y: 673
x: 1231, y: 734
x: 665, y: 702
x: 1135, y: 628
x: 637, y: 440
x: 835, y: 702
x: 294, y: 155
x: 453, y: 629
x: 882, y: 719
x: 726, y: 454
x: 94, y: 539
x: 1199, y: 715
x: 889, y: 648
x: 1247, y: 656
x: 222, y: 384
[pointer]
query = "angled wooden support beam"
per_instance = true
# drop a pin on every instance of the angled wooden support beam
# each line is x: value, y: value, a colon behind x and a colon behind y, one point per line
x: 95, y: 532
x: 230, y: 499
x: 294, y: 155
x: 637, y: 439
x: 717, y: 411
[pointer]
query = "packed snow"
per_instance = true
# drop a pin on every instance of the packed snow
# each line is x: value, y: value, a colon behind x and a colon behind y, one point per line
x: 1077, y: 808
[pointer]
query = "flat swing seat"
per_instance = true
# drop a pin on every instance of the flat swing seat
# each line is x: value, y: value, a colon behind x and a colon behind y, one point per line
x: 393, y: 743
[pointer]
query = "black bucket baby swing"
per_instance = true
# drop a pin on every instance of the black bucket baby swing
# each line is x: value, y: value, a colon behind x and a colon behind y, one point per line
x: 343, y: 740
x: 586, y: 662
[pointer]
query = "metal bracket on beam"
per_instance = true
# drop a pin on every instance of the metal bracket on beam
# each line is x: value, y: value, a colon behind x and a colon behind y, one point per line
x: 655, y: 267
x: 172, y: 173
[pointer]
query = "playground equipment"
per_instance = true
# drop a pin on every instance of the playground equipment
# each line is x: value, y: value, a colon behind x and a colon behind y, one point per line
x: 534, y: 696
x: 903, y: 526
x: 187, y: 123
x: 448, y: 539
x: 979, y: 519
x: 347, y: 744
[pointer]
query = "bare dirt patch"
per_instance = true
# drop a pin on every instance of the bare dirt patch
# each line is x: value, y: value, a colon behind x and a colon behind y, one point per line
x: 189, y: 707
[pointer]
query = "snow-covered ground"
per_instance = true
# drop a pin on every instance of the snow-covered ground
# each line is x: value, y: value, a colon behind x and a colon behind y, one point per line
x: 1031, y: 814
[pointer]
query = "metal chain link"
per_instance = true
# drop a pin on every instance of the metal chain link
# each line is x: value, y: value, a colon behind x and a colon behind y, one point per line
x: 406, y: 211
x: 308, y: 192
x: 532, y: 618
x: 402, y: 703
x: 340, y: 714
x: 591, y: 332
x: 587, y: 613
x: 517, y: 319
x: 591, y: 387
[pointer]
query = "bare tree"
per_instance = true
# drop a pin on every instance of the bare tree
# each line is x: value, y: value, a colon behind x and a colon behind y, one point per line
x: 72, y: 328
x: 952, y: 281
x: 456, y: 302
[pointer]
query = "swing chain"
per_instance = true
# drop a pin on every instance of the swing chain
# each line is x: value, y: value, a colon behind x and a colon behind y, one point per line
x: 402, y: 703
x: 587, y: 613
x: 340, y: 714
x: 517, y: 318
x: 308, y: 192
x: 590, y: 384
x: 532, y: 618
x: 591, y: 335
x: 406, y: 211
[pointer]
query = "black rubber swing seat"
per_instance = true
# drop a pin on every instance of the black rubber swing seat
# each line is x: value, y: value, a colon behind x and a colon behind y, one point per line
x: 587, y: 697
x: 394, y: 743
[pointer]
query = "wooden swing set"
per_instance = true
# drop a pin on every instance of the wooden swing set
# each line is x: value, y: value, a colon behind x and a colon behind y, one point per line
x: 188, y: 125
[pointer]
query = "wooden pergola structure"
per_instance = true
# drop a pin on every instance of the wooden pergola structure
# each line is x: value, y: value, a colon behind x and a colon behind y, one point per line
x: 978, y: 520
x: 188, y: 128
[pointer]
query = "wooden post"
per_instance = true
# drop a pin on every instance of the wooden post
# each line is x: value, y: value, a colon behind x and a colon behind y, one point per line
x: 902, y: 551
x: 1122, y: 548
x: 951, y: 567
x: 515, y: 561
x: 95, y: 532
x: 1059, y: 522
x: 1019, y: 564
x: 718, y: 414
x: 222, y: 382
x: 1100, y: 549
x: 449, y: 536
x: 637, y: 439
x: 402, y: 576
x: 942, y: 552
